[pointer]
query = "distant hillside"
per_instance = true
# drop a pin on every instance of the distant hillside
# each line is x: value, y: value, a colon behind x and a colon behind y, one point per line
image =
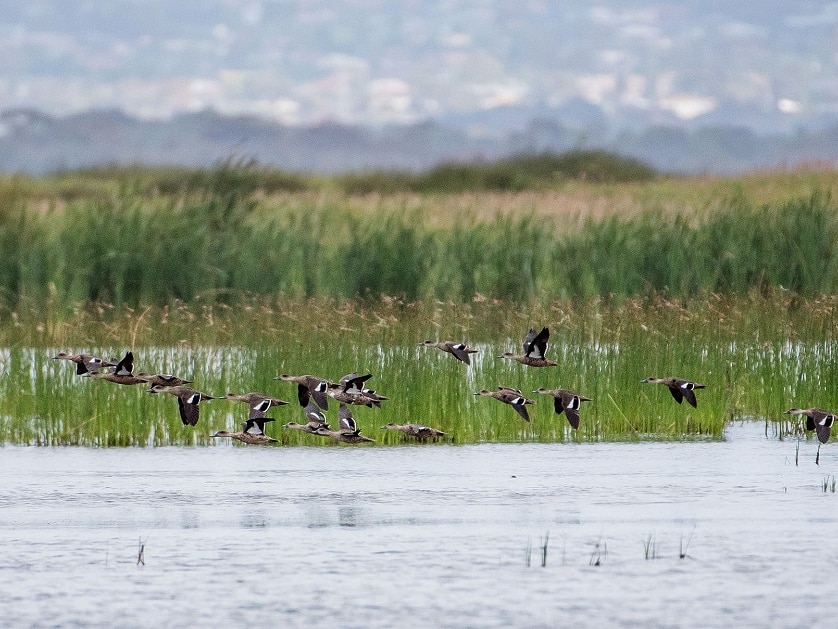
x: 32, y: 142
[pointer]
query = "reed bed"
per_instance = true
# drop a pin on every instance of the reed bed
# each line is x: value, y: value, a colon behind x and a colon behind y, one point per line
x: 758, y: 355
x: 230, y: 279
x: 217, y: 240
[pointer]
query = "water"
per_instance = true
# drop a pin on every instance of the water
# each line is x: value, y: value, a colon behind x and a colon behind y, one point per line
x: 420, y: 536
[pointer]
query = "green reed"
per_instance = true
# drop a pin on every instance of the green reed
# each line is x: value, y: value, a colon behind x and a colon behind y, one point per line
x: 215, y: 240
x: 758, y: 356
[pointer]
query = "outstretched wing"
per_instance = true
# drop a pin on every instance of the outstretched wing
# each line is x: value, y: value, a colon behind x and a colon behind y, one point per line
x: 518, y: 402
x: 353, y: 383
x: 687, y: 390
x: 535, y: 345
x: 256, y: 426
x: 345, y: 419
x: 823, y: 426
x: 314, y: 414
x: 521, y: 410
x: 572, y: 417
x: 188, y: 411
x: 258, y: 409
x: 459, y: 351
x: 125, y: 367
x: 528, y: 341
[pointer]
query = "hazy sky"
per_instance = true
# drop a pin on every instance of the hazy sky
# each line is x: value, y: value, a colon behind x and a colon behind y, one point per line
x: 382, y: 61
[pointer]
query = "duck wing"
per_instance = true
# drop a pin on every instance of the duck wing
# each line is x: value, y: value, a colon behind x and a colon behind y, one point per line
x: 188, y: 410
x: 535, y: 345
x: 459, y: 351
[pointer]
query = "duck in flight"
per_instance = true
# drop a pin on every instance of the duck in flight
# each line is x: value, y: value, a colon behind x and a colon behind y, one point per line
x: 818, y: 420
x: 458, y: 350
x: 85, y: 363
x: 567, y: 402
x: 535, y: 350
x: 510, y: 396
x: 259, y: 403
x: 309, y: 387
x: 252, y: 432
x: 316, y: 420
x: 187, y: 401
x: 680, y: 388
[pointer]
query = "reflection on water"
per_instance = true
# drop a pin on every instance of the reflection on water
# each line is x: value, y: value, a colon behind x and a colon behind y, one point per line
x: 417, y: 536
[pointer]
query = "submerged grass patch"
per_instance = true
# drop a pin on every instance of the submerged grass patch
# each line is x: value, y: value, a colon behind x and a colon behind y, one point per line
x: 758, y: 356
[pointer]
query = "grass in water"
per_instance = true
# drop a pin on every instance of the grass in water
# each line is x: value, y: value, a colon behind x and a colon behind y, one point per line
x: 599, y: 555
x: 650, y: 548
x: 736, y: 346
x: 684, y: 545
x: 141, y: 553
x: 544, y: 543
x: 286, y: 275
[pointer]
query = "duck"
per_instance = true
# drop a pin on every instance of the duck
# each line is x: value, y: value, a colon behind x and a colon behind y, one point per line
x: 348, y: 431
x: 820, y: 421
x: 309, y: 387
x: 316, y: 419
x: 343, y: 436
x: 415, y: 430
x: 458, y: 350
x: 535, y: 349
x: 85, y: 363
x: 510, y: 396
x: 122, y: 373
x: 253, y: 432
x: 163, y: 379
x: 567, y: 402
x: 187, y: 401
x: 350, y: 390
x: 259, y: 403
x: 680, y: 388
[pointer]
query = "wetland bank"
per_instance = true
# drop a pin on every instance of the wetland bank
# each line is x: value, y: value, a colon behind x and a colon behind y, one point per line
x: 229, y: 283
x: 231, y: 276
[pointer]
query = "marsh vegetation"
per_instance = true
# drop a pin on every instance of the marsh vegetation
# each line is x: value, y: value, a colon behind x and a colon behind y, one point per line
x: 757, y: 355
x: 232, y: 276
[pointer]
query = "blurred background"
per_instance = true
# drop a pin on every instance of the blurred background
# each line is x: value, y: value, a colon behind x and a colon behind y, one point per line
x: 322, y: 86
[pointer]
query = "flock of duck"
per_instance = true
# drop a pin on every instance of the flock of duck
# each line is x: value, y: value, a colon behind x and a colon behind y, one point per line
x: 313, y: 394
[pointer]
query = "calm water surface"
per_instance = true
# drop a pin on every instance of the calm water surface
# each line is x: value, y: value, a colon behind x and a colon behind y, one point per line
x: 420, y: 536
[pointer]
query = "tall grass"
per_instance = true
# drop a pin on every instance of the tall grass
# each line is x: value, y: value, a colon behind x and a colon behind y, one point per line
x: 758, y: 356
x: 215, y: 243
x: 205, y: 281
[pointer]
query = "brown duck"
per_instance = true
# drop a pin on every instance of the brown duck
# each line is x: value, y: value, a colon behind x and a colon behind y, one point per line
x: 309, y: 387
x: 122, y: 373
x: 187, y: 401
x: 567, y: 402
x: 344, y: 436
x: 163, y: 379
x: 253, y: 432
x: 348, y: 431
x: 680, y: 388
x: 85, y: 363
x: 415, y: 430
x: 351, y: 390
x: 259, y: 403
x: 510, y: 396
x: 316, y: 420
x: 818, y: 420
x: 535, y: 350
x: 458, y: 350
